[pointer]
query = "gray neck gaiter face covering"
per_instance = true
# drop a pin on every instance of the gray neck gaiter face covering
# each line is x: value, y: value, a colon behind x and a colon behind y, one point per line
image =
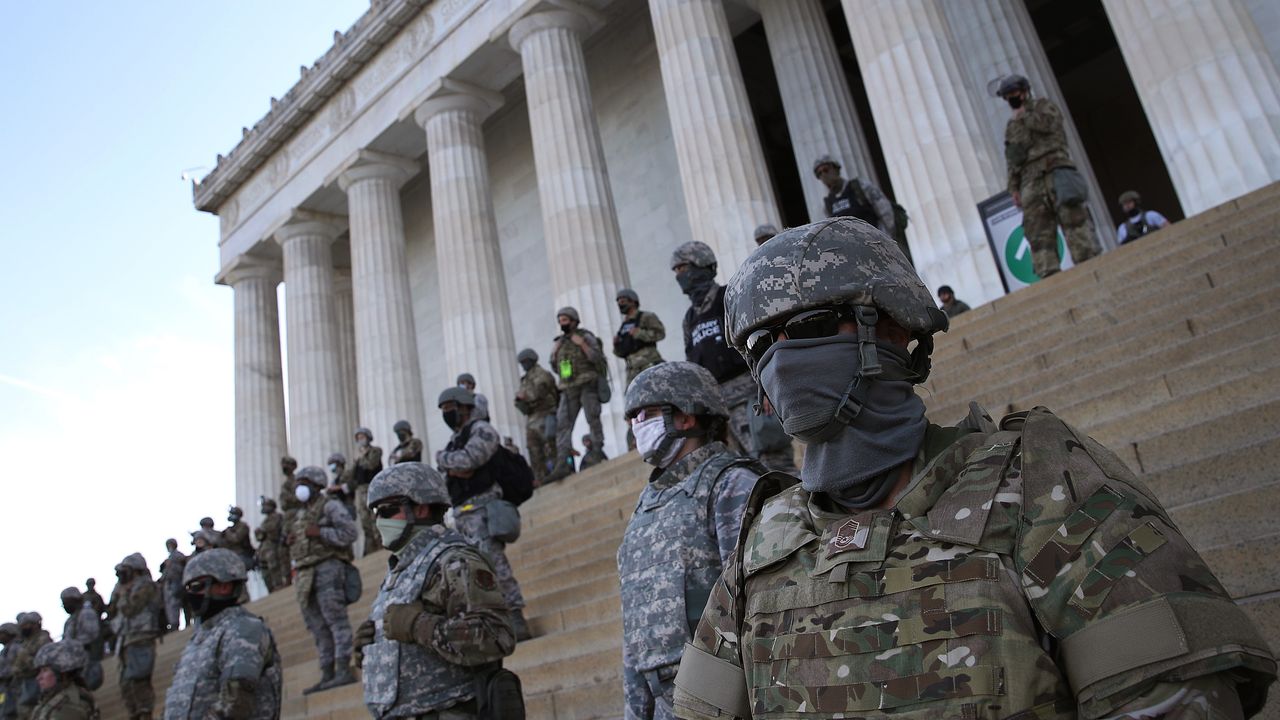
x: 808, y: 380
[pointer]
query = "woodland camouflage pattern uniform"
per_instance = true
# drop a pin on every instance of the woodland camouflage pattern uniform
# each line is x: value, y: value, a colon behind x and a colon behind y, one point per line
x: 368, y: 463
x: 578, y: 373
x: 171, y: 584
x: 288, y: 501
x: 1024, y: 571
x: 537, y: 399
x: 68, y: 699
x: 31, y: 637
x: 135, y: 611
x: 273, y: 556
x: 640, y: 351
x: 235, y: 537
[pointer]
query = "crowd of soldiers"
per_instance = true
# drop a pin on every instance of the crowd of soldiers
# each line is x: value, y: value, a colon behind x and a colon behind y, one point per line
x: 1011, y: 569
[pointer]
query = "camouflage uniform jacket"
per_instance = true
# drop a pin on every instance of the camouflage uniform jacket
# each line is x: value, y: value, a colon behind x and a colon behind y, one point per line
x: 571, y: 365
x: 270, y: 533
x: 68, y: 703
x: 6, y: 662
x: 236, y: 539
x: 83, y: 626
x: 1035, y: 143
x: 229, y: 669
x: 649, y: 332
x: 136, y: 608
x: 408, y: 451
x: 337, y: 533
x: 482, y: 441
x: 93, y: 599
x: 466, y: 626
x: 1023, y: 572
x: 368, y: 463
x: 24, y: 656
x: 539, y: 390
x: 289, y: 502
x: 171, y: 570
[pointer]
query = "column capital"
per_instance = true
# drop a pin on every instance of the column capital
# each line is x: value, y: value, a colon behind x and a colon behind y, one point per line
x: 446, y: 95
x: 581, y: 19
x: 303, y: 222
x: 249, y: 267
x: 369, y: 164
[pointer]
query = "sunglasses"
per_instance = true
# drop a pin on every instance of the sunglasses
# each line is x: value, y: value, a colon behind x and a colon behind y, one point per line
x: 199, y: 586
x: 802, y: 326
x: 388, y: 511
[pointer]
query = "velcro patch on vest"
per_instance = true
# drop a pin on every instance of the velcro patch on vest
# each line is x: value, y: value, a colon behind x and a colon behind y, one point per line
x: 1114, y: 566
x: 850, y: 535
x: 877, y: 637
x: 944, y: 684
x: 1066, y: 541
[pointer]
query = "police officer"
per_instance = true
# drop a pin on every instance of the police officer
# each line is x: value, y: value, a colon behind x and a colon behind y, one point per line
x: 1018, y: 570
x: 31, y: 637
x: 84, y: 627
x: 410, y: 447
x: 468, y: 462
x: 235, y: 537
x: 320, y: 545
x: 1137, y: 221
x: 467, y: 381
x: 273, y: 557
x: 854, y: 198
x: 637, y: 339
x: 368, y: 464
x: 1035, y: 148
x: 171, y: 584
x: 537, y: 400
x: 684, y: 527
x: 63, y: 695
x: 576, y: 359
x: 230, y: 667
x: 439, y: 619
x: 134, y: 612
x: 949, y: 303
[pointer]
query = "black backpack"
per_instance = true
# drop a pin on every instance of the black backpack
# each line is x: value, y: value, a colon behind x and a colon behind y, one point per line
x: 513, y: 475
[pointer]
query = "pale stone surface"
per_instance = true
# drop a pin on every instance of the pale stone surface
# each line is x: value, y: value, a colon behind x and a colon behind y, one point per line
x: 387, y: 368
x: 580, y: 224
x: 815, y: 95
x: 722, y: 169
x: 344, y: 316
x: 943, y: 162
x: 1266, y: 15
x: 259, y: 383
x: 473, y: 288
x: 995, y: 38
x: 1210, y: 91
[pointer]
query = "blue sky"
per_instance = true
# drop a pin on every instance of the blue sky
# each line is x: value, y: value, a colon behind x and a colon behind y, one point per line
x: 116, y: 377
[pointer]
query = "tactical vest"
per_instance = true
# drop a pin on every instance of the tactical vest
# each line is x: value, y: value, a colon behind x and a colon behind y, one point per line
x: 706, y: 344
x: 308, y: 552
x: 852, y: 201
x: 70, y: 701
x: 668, y: 562
x: 197, y: 680
x: 463, y: 489
x: 407, y: 679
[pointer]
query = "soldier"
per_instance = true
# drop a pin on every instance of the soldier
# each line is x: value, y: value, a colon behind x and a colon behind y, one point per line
x: 273, y: 558
x: 60, y: 677
x: 854, y: 198
x: 468, y: 461
x: 971, y: 571
x: 235, y: 537
x: 206, y: 537
x: 1137, y: 222
x: 439, y: 619
x: 683, y: 529
x: 948, y: 303
x: 94, y: 600
x: 85, y: 628
x: 320, y: 543
x: 230, y: 667
x: 694, y: 264
x: 171, y: 584
x: 637, y: 340
x: 9, y: 638
x: 368, y: 464
x: 764, y: 233
x: 1035, y: 149
x: 576, y: 360
x: 288, y: 501
x: 468, y: 381
x: 591, y: 455
x: 133, y: 610
x: 31, y: 637
x: 538, y: 399
x: 410, y: 447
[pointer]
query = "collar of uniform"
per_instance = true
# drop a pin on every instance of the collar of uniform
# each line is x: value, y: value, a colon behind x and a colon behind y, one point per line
x: 944, y: 449
x: 222, y: 617
x: 423, y: 537
x: 681, y: 469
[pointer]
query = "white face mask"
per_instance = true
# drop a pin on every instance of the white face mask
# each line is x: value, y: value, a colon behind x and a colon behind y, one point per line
x: 302, y: 492
x: 650, y: 435
x: 333, y: 468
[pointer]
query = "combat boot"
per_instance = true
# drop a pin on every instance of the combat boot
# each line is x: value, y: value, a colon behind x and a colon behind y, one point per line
x: 519, y: 625
x: 342, y: 676
x: 326, y: 676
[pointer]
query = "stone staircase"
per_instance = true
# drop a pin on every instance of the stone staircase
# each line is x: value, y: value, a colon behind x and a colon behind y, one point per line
x: 1167, y: 350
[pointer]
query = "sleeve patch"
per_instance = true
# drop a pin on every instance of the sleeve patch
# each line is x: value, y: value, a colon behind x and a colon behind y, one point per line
x: 1065, y: 542
x: 485, y: 580
x: 1114, y: 566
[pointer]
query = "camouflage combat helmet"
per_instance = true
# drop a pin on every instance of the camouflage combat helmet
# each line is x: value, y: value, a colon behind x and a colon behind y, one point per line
x: 135, y: 561
x: 527, y: 354
x: 235, y: 511
x: 268, y: 504
x: 457, y: 394
x: 401, y: 425
x: 1130, y: 196
x: 313, y: 475
x: 72, y: 593
x: 1009, y: 83
x: 686, y: 386
x: 219, y: 563
x: 466, y: 378
x: 206, y: 522
x: 30, y: 618
x: 629, y: 294
x: 695, y: 253
x: 420, y: 483
x: 288, y: 460
x: 825, y: 160
x: 336, y: 458
x: 570, y: 312
x: 363, y: 431
x: 64, y: 656
x: 833, y: 262
x: 765, y: 231
x: 10, y: 629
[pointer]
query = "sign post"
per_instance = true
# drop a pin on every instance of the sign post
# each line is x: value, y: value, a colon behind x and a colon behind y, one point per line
x: 1002, y: 221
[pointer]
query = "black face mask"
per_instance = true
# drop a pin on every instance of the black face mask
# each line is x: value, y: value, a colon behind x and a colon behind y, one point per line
x: 27, y: 632
x: 624, y: 308
x: 566, y: 328
x: 527, y: 365
x: 450, y: 418
x: 206, y: 606
x: 286, y: 471
x: 402, y: 436
x: 1134, y: 212
x: 1015, y: 101
x: 696, y: 282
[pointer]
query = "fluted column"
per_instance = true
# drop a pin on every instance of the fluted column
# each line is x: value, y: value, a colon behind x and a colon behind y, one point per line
x: 580, y: 222
x: 259, y: 383
x: 815, y: 95
x: 726, y: 183
x: 344, y: 315
x: 941, y: 159
x: 317, y: 401
x: 387, y: 372
x: 1210, y: 91
x: 473, y: 291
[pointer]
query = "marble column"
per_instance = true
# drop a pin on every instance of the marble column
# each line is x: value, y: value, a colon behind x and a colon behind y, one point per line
x: 941, y: 158
x: 821, y: 118
x: 1210, y: 91
x: 580, y: 222
x: 996, y: 38
x: 473, y: 291
x: 259, y: 383
x: 726, y: 183
x: 317, y: 401
x: 388, y: 378
x: 344, y: 315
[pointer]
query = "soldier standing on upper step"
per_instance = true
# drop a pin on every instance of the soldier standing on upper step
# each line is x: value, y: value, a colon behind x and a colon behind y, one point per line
x: 684, y: 527
x: 439, y: 627
x: 368, y: 464
x: 971, y: 571
x: 136, y: 612
x: 31, y: 637
x: 537, y: 400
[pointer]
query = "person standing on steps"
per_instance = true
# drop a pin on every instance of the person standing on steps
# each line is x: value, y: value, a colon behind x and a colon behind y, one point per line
x: 288, y: 500
x: 410, y: 447
x: 538, y: 400
x: 468, y: 382
x: 273, y: 556
x: 135, y: 607
x: 576, y: 359
x: 368, y: 464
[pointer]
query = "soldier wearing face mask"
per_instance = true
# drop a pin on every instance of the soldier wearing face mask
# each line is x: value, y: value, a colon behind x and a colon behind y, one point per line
x: 410, y: 447
x: 135, y: 613
x: 235, y: 537
x: 467, y: 381
x: 1137, y: 221
x: 171, y: 584
x: 288, y: 503
x: 31, y: 637
x: 537, y: 400
x: 684, y: 527
x: 368, y: 464
x: 978, y: 570
x: 273, y: 557
x: 576, y: 358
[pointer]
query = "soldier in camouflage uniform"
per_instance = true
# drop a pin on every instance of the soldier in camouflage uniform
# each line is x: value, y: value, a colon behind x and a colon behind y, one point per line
x: 8, y: 638
x: 31, y: 637
x: 537, y: 399
x: 84, y: 627
x: 273, y: 556
x: 320, y: 545
x: 684, y: 527
x: 93, y: 599
x: 919, y: 571
x: 468, y: 381
x: 288, y: 502
x: 439, y: 617
x: 235, y: 537
x: 230, y: 667
x: 63, y: 695
x: 764, y: 233
x: 171, y: 584
x: 637, y: 340
x: 1035, y: 145
x: 576, y: 359
x: 468, y: 462
x: 133, y: 610
x: 368, y: 464
x: 410, y: 447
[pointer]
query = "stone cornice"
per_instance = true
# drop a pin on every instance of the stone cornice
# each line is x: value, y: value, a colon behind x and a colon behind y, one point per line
x: 350, y: 52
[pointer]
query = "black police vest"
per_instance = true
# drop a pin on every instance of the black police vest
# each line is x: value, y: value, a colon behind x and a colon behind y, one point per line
x: 463, y: 489
x: 852, y: 202
x: 705, y: 342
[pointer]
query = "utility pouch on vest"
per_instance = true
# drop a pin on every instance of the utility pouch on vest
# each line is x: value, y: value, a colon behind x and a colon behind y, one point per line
x: 352, y: 586
x: 139, y: 660
x: 499, y: 695
x: 93, y: 675
x: 504, y: 521
x: 603, y: 387
x: 1069, y: 187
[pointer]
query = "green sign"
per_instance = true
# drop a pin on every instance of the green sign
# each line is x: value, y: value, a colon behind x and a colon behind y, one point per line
x: 1017, y: 255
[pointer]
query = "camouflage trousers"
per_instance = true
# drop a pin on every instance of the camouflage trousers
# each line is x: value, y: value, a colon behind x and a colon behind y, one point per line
x: 137, y: 661
x: 541, y: 446
x: 372, y: 540
x: 1041, y: 217
x: 473, y: 524
x: 585, y: 398
x: 273, y: 560
x: 649, y: 694
x: 324, y: 610
x: 739, y: 394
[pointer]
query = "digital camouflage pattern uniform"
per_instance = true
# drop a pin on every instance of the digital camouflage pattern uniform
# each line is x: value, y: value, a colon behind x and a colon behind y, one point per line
x: 23, y: 664
x: 320, y: 566
x: 578, y: 374
x: 235, y: 537
x: 9, y: 637
x: 368, y: 464
x: 273, y: 556
x: 84, y: 628
x: 135, y: 611
x: 538, y: 399
x: 1035, y: 144
x: 68, y: 699
x: 171, y: 581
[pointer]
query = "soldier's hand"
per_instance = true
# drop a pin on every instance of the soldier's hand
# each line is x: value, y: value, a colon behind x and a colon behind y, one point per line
x: 313, y: 531
x: 364, y: 636
x: 397, y: 623
x: 1017, y: 199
